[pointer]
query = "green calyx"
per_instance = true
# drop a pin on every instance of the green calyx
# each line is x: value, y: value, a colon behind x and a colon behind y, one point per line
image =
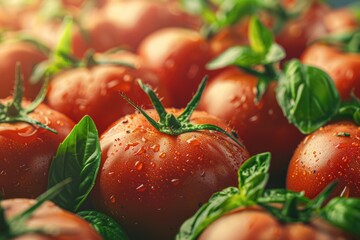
x: 219, y: 14
x: 14, y: 112
x: 172, y: 125
x: 16, y: 226
x: 285, y: 205
x: 62, y: 57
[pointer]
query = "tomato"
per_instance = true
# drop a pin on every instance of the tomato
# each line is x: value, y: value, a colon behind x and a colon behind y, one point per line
x: 263, y: 127
x: 28, y: 56
x: 324, y: 156
x: 344, y: 68
x: 50, y: 217
x: 341, y: 20
x: 26, y: 152
x: 255, y: 223
x: 126, y: 23
x: 179, y: 57
x: 94, y: 91
x: 150, y: 182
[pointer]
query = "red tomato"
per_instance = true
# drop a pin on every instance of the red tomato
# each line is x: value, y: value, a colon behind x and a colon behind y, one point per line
x: 28, y: 56
x: 126, y: 23
x: 26, y: 152
x: 263, y: 127
x: 325, y: 156
x: 344, y: 68
x: 94, y: 91
x: 147, y: 178
x: 179, y: 57
x: 255, y: 223
x: 48, y: 216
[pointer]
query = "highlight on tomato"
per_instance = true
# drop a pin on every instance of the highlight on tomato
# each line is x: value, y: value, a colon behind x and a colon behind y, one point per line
x: 162, y: 163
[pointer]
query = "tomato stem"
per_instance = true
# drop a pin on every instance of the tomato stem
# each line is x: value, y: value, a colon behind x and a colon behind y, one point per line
x: 172, y: 125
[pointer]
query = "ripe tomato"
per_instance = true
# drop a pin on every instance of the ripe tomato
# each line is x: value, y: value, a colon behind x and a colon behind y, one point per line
x: 331, y: 153
x: 147, y: 177
x: 344, y: 68
x: 255, y: 223
x: 94, y: 91
x: 179, y: 57
x: 26, y: 152
x: 28, y: 56
x: 263, y: 127
x: 126, y: 23
x: 48, y: 216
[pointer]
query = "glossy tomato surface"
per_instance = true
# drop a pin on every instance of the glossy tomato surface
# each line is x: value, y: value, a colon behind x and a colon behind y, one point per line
x: 26, y: 152
x: 151, y: 182
x: 179, y: 57
x: 65, y: 225
x: 255, y: 223
x: 331, y: 153
x: 263, y: 127
x: 344, y: 68
x: 28, y: 56
x: 95, y: 91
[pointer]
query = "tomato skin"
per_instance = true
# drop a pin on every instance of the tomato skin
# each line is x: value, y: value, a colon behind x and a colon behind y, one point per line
x: 255, y: 223
x: 125, y: 23
x: 344, y: 68
x: 263, y: 127
x: 323, y: 157
x: 95, y: 91
x: 28, y: 56
x: 49, y: 216
x: 26, y: 152
x: 147, y: 177
x: 179, y: 57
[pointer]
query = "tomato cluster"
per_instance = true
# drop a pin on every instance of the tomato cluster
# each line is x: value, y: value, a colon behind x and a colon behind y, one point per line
x: 98, y: 113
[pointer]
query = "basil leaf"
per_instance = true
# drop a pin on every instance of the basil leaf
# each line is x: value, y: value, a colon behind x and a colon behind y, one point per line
x: 350, y: 109
x: 220, y: 203
x: 239, y: 56
x: 274, y: 54
x: 107, y: 227
x: 253, y: 175
x: 307, y: 96
x: 260, y: 37
x: 78, y: 157
x: 261, y: 87
x: 343, y: 213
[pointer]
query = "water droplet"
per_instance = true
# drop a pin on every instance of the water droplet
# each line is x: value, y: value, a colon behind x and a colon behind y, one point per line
x: 139, y: 165
x: 60, y: 123
x: 155, y: 147
x: 175, y: 181
x: 140, y: 151
x: 193, y: 141
x: 162, y: 155
x: 341, y: 145
x: 131, y: 145
x: 111, y: 173
x: 152, y: 164
x: 354, y: 144
x: 141, y: 188
x: 144, y: 139
x: 112, y: 199
x: 29, y: 132
x: 253, y: 118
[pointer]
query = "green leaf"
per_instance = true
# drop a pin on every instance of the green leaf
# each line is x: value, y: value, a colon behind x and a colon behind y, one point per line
x: 77, y: 157
x: 260, y: 38
x: 350, y: 109
x: 220, y: 203
x: 275, y: 54
x: 107, y: 227
x: 253, y: 175
x: 238, y: 56
x: 261, y: 86
x: 4, y: 226
x: 195, y: 6
x: 307, y: 96
x: 280, y: 196
x: 343, y: 213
